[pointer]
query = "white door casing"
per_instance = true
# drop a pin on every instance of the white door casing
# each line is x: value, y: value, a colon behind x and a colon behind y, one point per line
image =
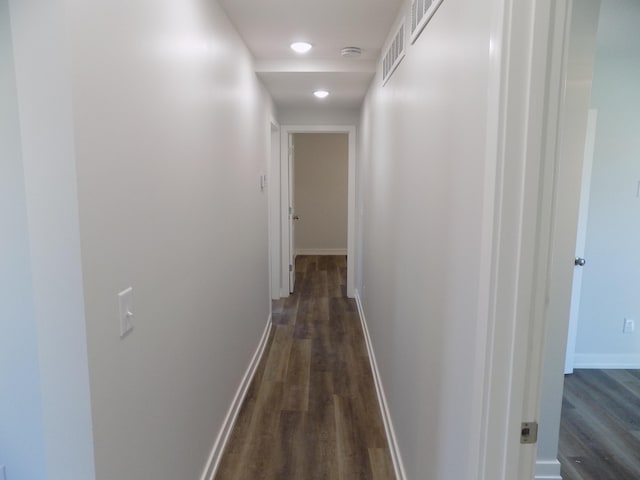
x: 292, y: 214
x: 530, y: 263
x: 581, y: 240
x: 273, y: 189
x: 286, y: 180
x: 535, y: 210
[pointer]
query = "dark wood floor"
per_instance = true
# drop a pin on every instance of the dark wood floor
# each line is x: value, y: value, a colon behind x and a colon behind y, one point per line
x: 311, y: 412
x: 600, y: 426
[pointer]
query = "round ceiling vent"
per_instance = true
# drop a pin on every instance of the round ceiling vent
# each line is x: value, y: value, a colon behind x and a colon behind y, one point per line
x: 350, y: 52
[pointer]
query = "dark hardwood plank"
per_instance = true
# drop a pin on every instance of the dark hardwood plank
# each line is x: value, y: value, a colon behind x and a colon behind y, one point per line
x: 311, y: 411
x: 291, y: 460
x: 381, y: 465
x: 599, y: 430
x: 296, y: 395
x: 278, y: 357
x: 353, y: 454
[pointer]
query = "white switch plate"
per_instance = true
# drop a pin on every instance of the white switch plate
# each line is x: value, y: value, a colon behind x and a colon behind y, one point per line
x: 629, y: 326
x: 125, y: 303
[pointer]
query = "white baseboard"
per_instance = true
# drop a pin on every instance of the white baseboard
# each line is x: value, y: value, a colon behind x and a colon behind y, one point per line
x: 382, y: 400
x: 548, y: 470
x: 321, y: 251
x: 606, y: 361
x: 227, y: 426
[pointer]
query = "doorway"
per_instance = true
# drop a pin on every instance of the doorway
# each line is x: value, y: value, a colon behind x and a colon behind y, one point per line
x: 598, y: 402
x: 288, y: 213
x: 320, y: 193
x: 584, y: 69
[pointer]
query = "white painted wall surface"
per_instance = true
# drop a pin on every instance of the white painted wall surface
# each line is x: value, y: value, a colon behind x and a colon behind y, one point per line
x: 47, y: 142
x: 421, y: 174
x: 321, y: 187
x: 22, y: 448
x: 172, y: 134
x: 318, y: 116
x: 611, y: 275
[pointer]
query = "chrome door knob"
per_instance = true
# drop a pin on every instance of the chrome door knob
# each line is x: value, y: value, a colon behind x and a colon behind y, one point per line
x: 296, y: 217
x: 579, y: 262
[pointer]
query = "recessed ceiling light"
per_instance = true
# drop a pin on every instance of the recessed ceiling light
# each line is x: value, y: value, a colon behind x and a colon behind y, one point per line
x: 301, y: 47
x: 321, y: 93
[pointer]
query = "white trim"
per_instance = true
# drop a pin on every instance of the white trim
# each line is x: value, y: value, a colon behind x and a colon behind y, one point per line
x: 629, y: 361
x: 424, y: 19
x: 524, y: 91
x: 273, y: 191
x: 284, y: 212
x: 232, y: 415
x: 581, y: 238
x: 548, y: 470
x: 398, y: 467
x: 321, y: 251
x: 285, y: 131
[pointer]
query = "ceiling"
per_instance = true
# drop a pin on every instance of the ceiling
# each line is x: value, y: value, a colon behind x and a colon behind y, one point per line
x: 268, y: 27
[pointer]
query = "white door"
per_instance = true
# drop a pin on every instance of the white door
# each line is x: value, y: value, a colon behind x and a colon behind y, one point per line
x: 292, y: 219
x: 580, y: 241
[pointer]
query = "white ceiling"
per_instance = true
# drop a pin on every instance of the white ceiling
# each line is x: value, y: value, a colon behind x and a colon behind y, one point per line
x: 268, y: 27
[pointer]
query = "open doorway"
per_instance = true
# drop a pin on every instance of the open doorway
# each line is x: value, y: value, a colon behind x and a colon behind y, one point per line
x: 612, y: 232
x: 311, y: 218
x: 601, y: 74
x: 598, y: 422
x: 319, y: 195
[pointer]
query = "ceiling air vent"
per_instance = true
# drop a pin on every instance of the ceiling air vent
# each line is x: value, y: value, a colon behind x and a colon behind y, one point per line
x: 421, y: 13
x: 394, y: 54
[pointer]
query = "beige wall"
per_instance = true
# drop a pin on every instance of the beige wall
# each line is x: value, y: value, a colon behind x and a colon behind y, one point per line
x: 321, y: 174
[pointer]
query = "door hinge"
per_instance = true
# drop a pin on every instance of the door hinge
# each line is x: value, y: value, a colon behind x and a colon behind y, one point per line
x: 290, y: 210
x: 291, y: 268
x: 529, y: 433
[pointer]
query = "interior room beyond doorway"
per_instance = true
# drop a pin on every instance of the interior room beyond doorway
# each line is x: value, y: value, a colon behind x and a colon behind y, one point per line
x: 320, y: 193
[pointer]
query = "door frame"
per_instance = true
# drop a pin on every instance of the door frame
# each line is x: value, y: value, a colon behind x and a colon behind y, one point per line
x: 273, y: 189
x: 528, y: 46
x: 285, y: 131
x: 581, y: 240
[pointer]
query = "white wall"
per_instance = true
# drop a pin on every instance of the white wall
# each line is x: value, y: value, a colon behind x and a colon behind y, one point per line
x: 318, y: 116
x: 421, y: 173
x: 172, y: 134
x: 134, y: 121
x: 321, y: 187
x: 48, y: 160
x: 611, y: 275
x: 22, y: 449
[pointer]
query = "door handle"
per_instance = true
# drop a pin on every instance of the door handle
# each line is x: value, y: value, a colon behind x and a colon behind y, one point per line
x: 296, y: 217
x: 579, y: 262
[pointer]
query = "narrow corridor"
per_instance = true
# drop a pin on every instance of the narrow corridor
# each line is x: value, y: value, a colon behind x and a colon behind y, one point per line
x: 311, y: 411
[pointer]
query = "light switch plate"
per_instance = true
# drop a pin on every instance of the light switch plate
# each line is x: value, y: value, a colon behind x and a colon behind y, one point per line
x: 125, y: 303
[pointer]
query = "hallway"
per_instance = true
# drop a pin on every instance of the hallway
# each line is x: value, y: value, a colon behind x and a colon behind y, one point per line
x: 311, y: 411
x: 146, y: 185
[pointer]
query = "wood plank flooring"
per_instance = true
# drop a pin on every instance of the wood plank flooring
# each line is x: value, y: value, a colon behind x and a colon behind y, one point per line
x: 600, y: 426
x: 311, y: 412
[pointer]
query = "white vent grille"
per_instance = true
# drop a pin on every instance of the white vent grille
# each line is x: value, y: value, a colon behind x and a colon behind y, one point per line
x: 421, y: 13
x: 394, y: 54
